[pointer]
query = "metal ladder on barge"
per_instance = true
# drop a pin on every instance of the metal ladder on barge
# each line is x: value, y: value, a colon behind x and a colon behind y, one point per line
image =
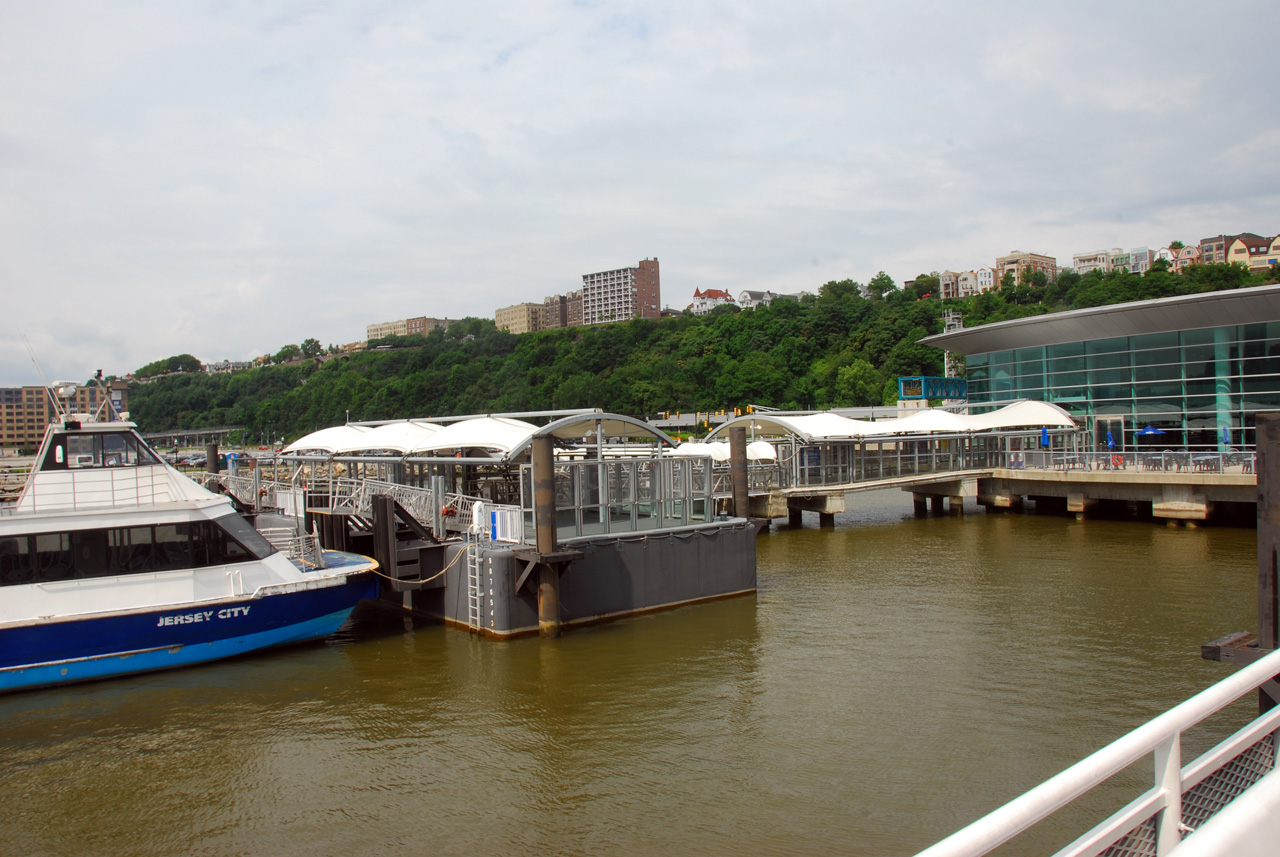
x: 477, y: 539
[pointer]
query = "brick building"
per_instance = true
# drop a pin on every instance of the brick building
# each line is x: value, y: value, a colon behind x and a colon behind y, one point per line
x: 25, y: 412
x: 521, y: 318
x: 1018, y: 261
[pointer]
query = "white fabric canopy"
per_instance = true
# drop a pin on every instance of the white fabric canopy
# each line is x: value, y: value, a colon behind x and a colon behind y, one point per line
x: 402, y: 437
x: 757, y: 450
x: 827, y: 426
x: 716, y: 451
x: 497, y: 433
x: 326, y: 439
x: 927, y: 420
x: 1024, y: 414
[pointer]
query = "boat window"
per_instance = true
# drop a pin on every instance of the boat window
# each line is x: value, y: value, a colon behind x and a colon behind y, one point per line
x: 80, y: 451
x: 99, y: 449
x: 15, y: 560
x: 78, y: 554
x: 244, y: 533
x: 54, y: 560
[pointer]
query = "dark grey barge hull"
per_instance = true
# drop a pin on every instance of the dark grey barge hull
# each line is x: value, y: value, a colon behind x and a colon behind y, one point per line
x: 616, y: 576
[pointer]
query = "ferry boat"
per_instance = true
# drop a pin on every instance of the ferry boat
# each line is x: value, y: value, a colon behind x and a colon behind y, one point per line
x: 113, y: 562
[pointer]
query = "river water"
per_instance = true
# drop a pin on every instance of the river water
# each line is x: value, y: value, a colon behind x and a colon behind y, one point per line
x: 893, y: 679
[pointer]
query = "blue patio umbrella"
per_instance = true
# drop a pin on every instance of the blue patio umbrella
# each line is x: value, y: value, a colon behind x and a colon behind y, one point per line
x: 1148, y: 431
x: 1226, y: 435
x: 1044, y: 436
x: 1111, y: 441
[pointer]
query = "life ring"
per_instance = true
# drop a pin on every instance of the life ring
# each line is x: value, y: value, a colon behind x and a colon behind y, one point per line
x: 1117, y: 461
x: 448, y: 511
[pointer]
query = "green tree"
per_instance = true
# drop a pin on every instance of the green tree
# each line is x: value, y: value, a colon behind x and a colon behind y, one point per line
x: 837, y: 290
x: 311, y: 347
x: 177, y: 363
x: 926, y: 285
x: 880, y: 285
x: 287, y: 353
x: 859, y: 384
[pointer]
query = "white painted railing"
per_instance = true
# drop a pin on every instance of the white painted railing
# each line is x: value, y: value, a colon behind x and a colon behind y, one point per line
x: 1161, y: 737
x: 300, y: 546
x: 97, y: 488
x: 501, y: 523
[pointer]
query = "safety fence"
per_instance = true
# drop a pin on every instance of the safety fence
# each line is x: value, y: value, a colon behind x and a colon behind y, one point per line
x: 1180, y: 801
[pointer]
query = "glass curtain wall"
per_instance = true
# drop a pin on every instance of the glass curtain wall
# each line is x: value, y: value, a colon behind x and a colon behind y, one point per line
x: 1190, y: 389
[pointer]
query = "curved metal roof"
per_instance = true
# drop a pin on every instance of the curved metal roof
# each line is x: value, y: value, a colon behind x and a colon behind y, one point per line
x: 1184, y: 312
x: 581, y: 426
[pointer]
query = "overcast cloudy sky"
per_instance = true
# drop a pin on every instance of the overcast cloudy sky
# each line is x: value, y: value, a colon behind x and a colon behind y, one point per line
x: 224, y: 178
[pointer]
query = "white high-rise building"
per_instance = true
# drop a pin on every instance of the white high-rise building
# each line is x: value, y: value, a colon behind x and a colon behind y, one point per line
x: 622, y: 294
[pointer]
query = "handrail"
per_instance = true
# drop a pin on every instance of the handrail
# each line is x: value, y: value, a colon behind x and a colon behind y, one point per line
x: 1161, y: 736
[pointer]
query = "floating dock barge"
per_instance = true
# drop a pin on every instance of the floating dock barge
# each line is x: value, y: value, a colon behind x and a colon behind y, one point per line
x: 509, y: 528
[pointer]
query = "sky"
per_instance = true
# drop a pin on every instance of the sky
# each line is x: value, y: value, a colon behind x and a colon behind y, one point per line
x: 225, y: 178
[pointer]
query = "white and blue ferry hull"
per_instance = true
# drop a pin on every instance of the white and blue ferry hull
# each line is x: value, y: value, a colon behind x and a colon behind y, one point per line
x: 83, y: 648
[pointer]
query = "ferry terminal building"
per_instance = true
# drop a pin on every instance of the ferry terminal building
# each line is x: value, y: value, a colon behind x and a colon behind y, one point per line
x: 1196, y: 367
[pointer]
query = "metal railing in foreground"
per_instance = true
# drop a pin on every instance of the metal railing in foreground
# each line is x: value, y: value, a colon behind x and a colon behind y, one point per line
x: 1181, y: 799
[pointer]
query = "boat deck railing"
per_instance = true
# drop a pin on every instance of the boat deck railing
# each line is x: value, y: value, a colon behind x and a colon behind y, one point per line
x: 303, y: 548
x: 1182, y: 797
x: 98, y: 488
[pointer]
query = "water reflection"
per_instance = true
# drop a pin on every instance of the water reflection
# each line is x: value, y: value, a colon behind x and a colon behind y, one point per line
x: 878, y: 659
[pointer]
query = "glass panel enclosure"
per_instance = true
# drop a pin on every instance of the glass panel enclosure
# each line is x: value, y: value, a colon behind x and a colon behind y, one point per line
x: 1201, y: 387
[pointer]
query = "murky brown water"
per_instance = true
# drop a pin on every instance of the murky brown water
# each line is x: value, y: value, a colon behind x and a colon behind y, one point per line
x: 894, y: 679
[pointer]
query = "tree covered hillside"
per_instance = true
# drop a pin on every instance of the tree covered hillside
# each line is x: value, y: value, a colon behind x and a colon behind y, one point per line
x: 845, y: 346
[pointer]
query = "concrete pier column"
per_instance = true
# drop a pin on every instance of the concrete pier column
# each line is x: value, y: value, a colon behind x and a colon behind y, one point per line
x: 826, y: 519
x: 795, y: 517
x: 1080, y: 504
x: 211, y: 458
x: 935, y: 505
x: 738, y: 470
x: 920, y: 504
x: 955, y: 504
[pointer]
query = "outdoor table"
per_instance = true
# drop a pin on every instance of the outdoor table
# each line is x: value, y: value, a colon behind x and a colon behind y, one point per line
x: 1207, y: 463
